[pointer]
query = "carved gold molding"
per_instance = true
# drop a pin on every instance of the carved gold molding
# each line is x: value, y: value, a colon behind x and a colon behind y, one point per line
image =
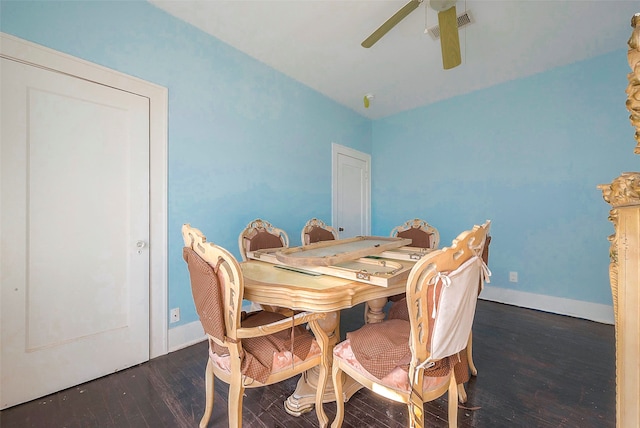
x: 623, y: 191
x: 633, y: 89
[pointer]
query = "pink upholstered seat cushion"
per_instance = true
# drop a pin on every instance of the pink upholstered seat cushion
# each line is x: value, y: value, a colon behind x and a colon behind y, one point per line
x: 397, y: 379
x: 281, y: 360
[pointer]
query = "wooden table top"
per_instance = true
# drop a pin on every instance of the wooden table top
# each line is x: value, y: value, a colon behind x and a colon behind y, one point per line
x: 267, y: 284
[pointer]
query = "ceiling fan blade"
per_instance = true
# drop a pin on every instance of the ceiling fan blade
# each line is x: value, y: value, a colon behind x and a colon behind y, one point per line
x: 390, y: 23
x: 449, y: 38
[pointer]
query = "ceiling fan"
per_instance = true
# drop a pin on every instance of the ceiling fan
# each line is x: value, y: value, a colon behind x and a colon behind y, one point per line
x: 447, y: 20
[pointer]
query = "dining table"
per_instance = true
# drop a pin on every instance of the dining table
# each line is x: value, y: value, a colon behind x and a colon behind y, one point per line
x: 279, y: 285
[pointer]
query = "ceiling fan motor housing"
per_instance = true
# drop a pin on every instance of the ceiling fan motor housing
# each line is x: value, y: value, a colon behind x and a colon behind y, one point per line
x: 441, y: 5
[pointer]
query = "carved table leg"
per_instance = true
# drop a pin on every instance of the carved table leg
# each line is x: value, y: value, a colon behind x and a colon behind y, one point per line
x: 375, y: 310
x: 303, y: 398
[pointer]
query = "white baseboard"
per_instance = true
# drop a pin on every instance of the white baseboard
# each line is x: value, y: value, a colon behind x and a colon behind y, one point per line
x: 557, y: 305
x: 185, y: 335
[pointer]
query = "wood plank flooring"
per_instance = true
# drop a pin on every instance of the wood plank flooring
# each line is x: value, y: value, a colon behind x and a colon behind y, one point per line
x: 535, y: 370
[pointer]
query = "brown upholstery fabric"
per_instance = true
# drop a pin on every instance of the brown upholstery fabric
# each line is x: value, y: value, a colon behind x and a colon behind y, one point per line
x: 399, y: 310
x: 485, y: 251
x: 381, y: 347
x: 460, y: 365
x: 419, y: 238
x: 317, y: 234
x: 257, y: 358
x: 258, y: 351
x: 207, y: 295
x: 263, y: 239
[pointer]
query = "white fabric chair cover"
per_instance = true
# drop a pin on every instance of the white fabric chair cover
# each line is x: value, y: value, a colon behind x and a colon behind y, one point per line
x: 453, y: 313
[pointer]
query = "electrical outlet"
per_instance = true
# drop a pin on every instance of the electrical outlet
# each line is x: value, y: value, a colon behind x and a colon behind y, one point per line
x: 513, y: 276
x: 174, y: 315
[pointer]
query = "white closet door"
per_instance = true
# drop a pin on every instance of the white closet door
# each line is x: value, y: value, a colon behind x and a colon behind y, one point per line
x: 351, y: 192
x: 74, y: 194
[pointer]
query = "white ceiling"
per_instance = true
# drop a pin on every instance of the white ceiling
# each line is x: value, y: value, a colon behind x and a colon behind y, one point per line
x: 317, y: 42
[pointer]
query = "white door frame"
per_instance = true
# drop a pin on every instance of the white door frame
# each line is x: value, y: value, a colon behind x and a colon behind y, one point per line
x: 336, y: 151
x: 39, y: 56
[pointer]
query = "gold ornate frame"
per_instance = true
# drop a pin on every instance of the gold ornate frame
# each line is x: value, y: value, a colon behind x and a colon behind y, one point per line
x: 623, y: 194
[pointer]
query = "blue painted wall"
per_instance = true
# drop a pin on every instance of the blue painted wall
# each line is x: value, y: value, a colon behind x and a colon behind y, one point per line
x: 527, y: 154
x: 246, y: 141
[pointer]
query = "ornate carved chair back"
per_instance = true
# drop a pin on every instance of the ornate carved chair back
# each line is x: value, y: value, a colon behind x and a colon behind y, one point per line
x: 260, y: 234
x: 422, y: 234
x: 316, y: 230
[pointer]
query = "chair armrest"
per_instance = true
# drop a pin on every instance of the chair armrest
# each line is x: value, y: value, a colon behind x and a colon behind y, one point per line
x: 274, y: 327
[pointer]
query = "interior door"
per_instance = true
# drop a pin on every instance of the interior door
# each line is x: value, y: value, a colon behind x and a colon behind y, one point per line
x: 74, y: 164
x: 351, y: 192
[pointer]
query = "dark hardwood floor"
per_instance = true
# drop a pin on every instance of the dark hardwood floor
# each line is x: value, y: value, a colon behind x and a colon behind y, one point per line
x: 535, y: 370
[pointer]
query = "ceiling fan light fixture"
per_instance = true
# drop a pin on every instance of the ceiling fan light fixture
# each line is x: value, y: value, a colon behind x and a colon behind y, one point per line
x: 441, y: 5
x: 367, y: 100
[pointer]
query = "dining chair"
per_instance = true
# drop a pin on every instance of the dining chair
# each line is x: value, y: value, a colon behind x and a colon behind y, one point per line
x: 422, y: 234
x: 260, y: 234
x: 467, y: 366
x: 316, y: 230
x: 485, y: 259
x: 411, y: 361
x: 247, y: 351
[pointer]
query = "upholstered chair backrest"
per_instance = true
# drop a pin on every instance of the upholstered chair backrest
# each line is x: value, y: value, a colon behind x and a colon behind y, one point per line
x: 260, y: 234
x: 316, y: 230
x: 421, y: 233
x: 216, y: 285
